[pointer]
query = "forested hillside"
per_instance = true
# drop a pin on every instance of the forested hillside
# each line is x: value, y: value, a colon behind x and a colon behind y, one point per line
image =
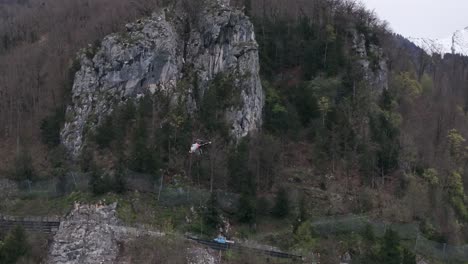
x: 39, y: 40
x: 356, y: 119
x: 407, y: 140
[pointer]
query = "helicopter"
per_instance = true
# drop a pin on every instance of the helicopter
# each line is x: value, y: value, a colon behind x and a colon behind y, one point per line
x: 198, y: 145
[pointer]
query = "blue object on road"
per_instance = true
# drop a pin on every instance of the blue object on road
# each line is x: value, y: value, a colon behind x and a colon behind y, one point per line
x: 220, y: 239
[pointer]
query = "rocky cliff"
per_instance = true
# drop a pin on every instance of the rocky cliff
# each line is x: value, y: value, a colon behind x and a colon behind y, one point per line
x: 372, y: 60
x: 86, y: 236
x: 91, y: 234
x: 177, y: 52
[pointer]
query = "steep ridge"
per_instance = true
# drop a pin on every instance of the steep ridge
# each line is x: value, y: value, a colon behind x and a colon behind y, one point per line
x: 171, y: 53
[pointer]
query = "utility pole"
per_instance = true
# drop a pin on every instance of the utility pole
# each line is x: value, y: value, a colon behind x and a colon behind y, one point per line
x: 416, y: 243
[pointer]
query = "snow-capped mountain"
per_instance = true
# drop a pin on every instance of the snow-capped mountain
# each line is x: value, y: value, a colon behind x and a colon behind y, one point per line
x: 455, y: 44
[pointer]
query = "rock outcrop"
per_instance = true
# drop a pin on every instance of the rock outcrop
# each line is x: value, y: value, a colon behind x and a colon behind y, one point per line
x: 372, y: 61
x: 90, y: 234
x: 86, y: 236
x: 174, y: 53
x: 197, y: 255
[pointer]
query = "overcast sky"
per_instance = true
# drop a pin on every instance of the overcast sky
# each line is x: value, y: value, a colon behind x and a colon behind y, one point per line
x: 422, y: 18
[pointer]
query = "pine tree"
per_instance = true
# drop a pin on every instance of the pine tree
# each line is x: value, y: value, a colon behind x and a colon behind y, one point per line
x: 246, y: 212
x: 241, y: 179
x: 105, y: 133
x: 211, y: 215
x: 94, y: 180
x: 140, y: 154
x: 23, y: 166
x: 61, y: 175
x: 120, y: 184
x: 385, y: 134
x: 302, y: 209
x: 50, y: 128
x: 408, y: 257
x: 15, y: 246
x: 99, y: 182
x: 281, y: 208
x: 263, y: 206
x: 390, y: 252
x: 248, y: 7
x: 302, y: 215
x: 368, y: 233
x: 86, y: 160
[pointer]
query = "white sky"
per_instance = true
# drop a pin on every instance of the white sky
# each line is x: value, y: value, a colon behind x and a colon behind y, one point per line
x: 422, y: 18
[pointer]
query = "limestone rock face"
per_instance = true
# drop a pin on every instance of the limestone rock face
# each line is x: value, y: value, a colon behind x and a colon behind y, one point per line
x: 372, y: 61
x: 198, y: 255
x: 86, y: 236
x: 90, y: 234
x: 174, y: 53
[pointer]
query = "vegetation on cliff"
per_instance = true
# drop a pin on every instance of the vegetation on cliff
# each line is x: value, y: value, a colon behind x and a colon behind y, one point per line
x: 332, y: 141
